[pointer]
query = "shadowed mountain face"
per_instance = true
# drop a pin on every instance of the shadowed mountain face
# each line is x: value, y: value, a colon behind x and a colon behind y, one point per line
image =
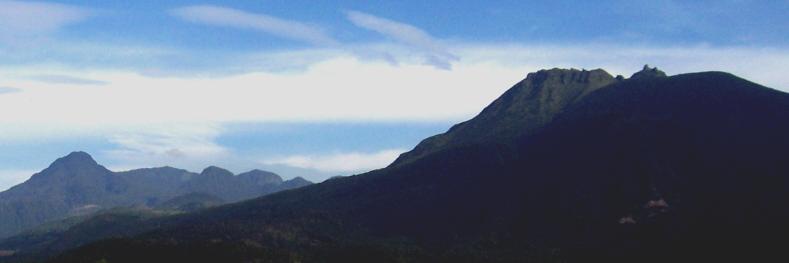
x: 190, y: 202
x: 651, y: 168
x: 71, y: 185
x: 76, y: 185
x: 528, y: 105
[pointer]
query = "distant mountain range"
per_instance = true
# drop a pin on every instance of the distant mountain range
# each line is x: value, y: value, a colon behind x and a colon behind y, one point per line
x: 76, y: 185
x: 566, y: 166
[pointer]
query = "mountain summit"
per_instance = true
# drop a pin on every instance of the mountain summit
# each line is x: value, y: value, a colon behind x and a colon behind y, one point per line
x: 213, y: 171
x: 525, y: 107
x: 73, y: 163
x: 648, y: 72
x: 76, y: 158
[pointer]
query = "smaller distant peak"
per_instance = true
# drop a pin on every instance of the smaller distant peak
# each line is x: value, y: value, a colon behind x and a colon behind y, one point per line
x: 260, y: 177
x: 258, y: 173
x: 214, y: 170
x: 648, y: 72
x: 299, y: 180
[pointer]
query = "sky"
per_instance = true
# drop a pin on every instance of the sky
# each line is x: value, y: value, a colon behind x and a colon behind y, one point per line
x: 324, y: 88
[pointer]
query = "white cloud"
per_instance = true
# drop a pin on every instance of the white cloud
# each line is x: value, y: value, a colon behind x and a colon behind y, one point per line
x: 23, y: 19
x: 12, y: 177
x: 222, y: 16
x: 184, y: 145
x: 339, y: 87
x: 433, y: 51
x: 339, y: 162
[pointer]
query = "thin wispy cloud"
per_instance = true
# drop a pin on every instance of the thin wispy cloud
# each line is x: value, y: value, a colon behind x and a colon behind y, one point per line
x: 340, y: 162
x: 223, y: 16
x: 64, y: 79
x: 433, y: 51
x: 6, y: 90
x: 22, y: 19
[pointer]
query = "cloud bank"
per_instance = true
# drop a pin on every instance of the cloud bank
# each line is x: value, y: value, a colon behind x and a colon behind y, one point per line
x: 64, y: 79
x: 167, y: 145
x: 351, y: 162
x: 342, y: 87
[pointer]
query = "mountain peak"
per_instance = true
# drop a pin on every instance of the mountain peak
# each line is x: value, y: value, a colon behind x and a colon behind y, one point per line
x: 77, y: 158
x: 648, y: 72
x: 216, y: 171
x: 525, y: 107
x: 260, y: 177
x: 299, y: 179
x: 566, y: 76
x: 257, y: 172
x: 296, y: 182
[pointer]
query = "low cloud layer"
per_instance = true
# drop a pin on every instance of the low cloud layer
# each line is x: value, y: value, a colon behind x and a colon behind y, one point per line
x: 341, y: 87
x: 64, y: 79
x: 351, y: 162
x: 184, y: 145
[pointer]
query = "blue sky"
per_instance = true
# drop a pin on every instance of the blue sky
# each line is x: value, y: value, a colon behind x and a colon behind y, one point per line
x: 321, y: 88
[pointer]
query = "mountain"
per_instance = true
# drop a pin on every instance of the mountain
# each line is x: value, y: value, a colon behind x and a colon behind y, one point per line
x: 690, y: 167
x: 69, y: 186
x: 525, y: 107
x: 224, y: 184
x: 296, y: 182
x: 76, y: 185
